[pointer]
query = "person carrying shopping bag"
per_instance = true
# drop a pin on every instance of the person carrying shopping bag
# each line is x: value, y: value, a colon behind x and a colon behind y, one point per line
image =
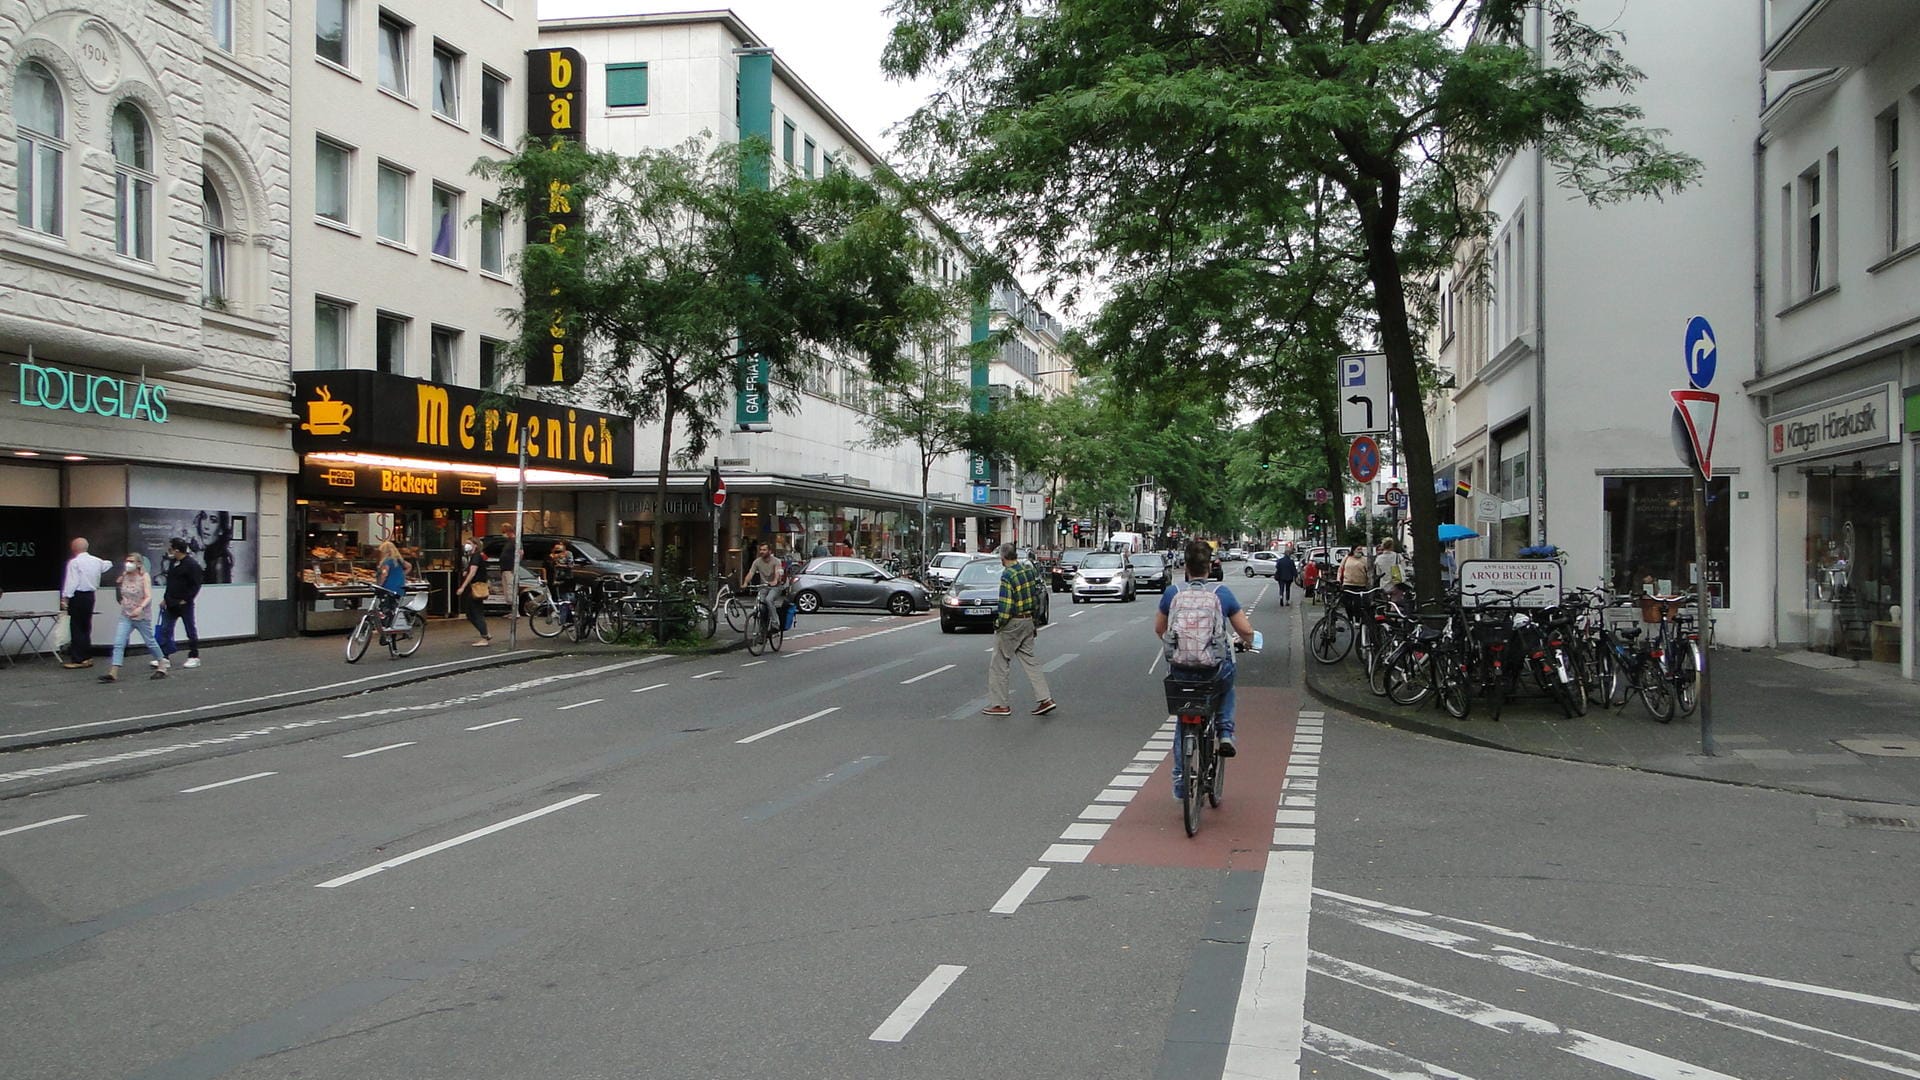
x: 136, y: 615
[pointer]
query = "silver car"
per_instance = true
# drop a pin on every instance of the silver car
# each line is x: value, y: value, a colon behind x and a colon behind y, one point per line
x: 942, y: 567
x: 1103, y: 575
x: 837, y: 582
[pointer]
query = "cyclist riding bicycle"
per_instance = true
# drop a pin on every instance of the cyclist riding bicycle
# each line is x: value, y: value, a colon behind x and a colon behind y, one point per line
x: 392, y: 583
x: 771, y: 575
x: 1199, y: 560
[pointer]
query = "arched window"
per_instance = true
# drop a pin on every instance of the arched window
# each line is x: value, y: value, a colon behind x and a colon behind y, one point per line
x: 39, y: 117
x: 213, y: 260
x: 132, y: 183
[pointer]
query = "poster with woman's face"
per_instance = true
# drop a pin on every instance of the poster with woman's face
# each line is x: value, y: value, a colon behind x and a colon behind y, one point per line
x: 220, y: 540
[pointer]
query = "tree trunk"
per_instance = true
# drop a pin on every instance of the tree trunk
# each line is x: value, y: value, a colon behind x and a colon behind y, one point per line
x: 660, y: 495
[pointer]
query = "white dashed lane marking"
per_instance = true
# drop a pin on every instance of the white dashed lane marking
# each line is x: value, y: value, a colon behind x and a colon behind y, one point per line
x: 378, y: 750
x: 40, y: 824
x: 224, y: 783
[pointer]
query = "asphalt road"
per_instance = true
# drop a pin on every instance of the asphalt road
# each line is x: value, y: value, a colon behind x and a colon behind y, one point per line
x: 827, y: 863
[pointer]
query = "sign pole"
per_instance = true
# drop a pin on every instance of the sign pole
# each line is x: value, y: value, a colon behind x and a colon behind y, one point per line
x: 1703, y: 625
x: 713, y: 524
x: 519, y: 549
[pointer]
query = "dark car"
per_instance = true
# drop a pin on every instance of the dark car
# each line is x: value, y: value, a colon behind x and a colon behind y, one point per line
x: 1150, y: 571
x: 842, y: 582
x: 591, y: 562
x: 975, y: 597
x: 1060, y: 574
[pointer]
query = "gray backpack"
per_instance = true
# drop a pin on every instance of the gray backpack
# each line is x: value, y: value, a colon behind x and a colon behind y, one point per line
x: 1197, y: 627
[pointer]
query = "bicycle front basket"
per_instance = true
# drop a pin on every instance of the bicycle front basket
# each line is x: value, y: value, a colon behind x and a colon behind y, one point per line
x: 1194, y: 693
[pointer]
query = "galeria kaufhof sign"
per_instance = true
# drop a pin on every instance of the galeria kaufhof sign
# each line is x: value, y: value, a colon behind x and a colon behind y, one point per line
x: 43, y: 386
x: 344, y: 412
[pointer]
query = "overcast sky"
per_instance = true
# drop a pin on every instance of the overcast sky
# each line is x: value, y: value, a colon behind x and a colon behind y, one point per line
x: 834, y: 45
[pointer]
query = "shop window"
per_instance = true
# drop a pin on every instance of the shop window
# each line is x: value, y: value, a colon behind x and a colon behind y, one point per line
x: 493, y: 106
x: 330, y: 38
x: 39, y: 117
x: 1512, y: 481
x: 1853, y: 559
x: 390, y: 344
x: 331, y: 322
x: 132, y: 183
x: 1649, y: 536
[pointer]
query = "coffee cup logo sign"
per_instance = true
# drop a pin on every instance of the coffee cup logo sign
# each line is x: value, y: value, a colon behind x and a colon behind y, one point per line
x: 60, y: 390
x: 326, y: 416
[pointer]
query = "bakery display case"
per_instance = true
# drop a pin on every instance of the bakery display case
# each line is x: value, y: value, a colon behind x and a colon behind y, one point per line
x: 340, y: 561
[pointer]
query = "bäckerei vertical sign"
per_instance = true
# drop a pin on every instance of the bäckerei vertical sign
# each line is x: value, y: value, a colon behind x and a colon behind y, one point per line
x: 556, y: 110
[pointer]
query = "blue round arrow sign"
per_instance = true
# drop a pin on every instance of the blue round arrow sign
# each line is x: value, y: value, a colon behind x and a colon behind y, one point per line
x: 1702, y: 352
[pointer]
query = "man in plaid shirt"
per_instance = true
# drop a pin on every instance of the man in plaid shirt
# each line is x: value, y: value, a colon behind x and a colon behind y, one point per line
x: 1014, y: 630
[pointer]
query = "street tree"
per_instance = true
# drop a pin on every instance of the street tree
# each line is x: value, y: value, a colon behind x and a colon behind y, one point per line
x: 1139, y: 136
x: 680, y: 276
x: 931, y: 413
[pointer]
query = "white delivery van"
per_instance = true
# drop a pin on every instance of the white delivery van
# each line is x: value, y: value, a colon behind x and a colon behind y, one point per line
x: 1129, y: 542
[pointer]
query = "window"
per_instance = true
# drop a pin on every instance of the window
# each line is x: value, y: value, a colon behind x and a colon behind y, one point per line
x: 489, y: 364
x: 213, y: 255
x: 220, y: 14
x: 391, y: 195
x: 39, y: 117
x: 446, y: 80
x: 132, y: 183
x: 808, y: 157
x: 1890, y: 193
x: 330, y: 325
x: 395, y: 40
x: 493, y: 238
x: 493, y: 106
x: 1810, y: 198
x: 390, y: 343
x: 446, y: 222
x: 626, y: 85
x: 1648, y: 523
x: 446, y: 355
x: 330, y: 31
x: 333, y: 175
x: 786, y: 141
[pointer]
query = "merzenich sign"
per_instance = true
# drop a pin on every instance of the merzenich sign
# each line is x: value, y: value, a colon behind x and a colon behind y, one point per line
x: 60, y: 390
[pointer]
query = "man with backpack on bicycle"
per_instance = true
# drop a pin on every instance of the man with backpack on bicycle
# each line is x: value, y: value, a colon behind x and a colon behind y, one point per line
x: 1198, y: 621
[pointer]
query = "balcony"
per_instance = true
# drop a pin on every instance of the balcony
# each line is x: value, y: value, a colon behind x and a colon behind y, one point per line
x: 1814, y: 34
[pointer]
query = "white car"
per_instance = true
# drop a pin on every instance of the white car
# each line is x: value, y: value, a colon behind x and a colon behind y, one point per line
x: 1264, y: 563
x: 1103, y: 575
x: 1235, y: 553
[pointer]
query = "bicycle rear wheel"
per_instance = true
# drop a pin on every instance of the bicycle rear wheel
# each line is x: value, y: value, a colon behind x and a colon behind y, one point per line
x: 415, y: 633
x: 360, y: 637
x: 545, y: 619
x: 1216, y: 772
x: 1408, y: 681
x: 775, y: 631
x: 608, y: 625
x: 1456, y: 689
x: 1655, y: 693
x: 1191, y: 782
x: 1686, y: 680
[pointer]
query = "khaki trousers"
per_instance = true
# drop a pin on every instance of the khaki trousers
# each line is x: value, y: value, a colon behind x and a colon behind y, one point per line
x: 1014, y: 639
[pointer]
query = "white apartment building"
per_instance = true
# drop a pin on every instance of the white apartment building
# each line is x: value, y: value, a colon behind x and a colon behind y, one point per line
x: 1560, y: 406
x: 1030, y: 360
x: 145, y: 266
x: 805, y: 481
x: 1839, y: 314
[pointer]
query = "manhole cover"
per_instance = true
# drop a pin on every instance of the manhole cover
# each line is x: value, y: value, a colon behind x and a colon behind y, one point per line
x: 1882, y: 747
x: 1863, y: 821
x: 1897, y: 818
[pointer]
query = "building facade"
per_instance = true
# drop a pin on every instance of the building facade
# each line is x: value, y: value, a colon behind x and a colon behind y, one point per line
x: 146, y: 266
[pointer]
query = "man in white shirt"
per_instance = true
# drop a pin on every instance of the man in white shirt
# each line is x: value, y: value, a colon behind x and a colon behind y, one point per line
x: 77, y: 590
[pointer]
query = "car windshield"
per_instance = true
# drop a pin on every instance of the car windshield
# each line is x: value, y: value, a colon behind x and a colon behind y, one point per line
x: 1072, y: 556
x: 583, y: 549
x: 976, y: 574
x: 951, y: 559
x: 1149, y: 562
x: 1103, y: 560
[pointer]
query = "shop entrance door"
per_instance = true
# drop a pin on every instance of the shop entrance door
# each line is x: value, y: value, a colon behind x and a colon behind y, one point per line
x: 1853, y: 557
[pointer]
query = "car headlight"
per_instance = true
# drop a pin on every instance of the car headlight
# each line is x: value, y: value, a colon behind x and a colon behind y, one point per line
x: 951, y: 601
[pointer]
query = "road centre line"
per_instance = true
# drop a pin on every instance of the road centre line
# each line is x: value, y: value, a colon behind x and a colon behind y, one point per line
x: 379, y: 750
x: 580, y: 704
x: 644, y: 689
x: 224, y: 783
x: 40, y: 824
x: 309, y: 691
x: 705, y: 674
x: 1017, y: 894
x: 895, y: 1027
x: 431, y: 849
x: 494, y: 723
x: 777, y: 728
x: 928, y: 675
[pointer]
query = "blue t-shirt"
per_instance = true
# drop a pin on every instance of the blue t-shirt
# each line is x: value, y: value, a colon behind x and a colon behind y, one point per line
x: 1228, y: 603
x: 393, y: 575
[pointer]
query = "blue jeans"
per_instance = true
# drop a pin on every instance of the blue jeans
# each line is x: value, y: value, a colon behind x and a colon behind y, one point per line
x: 1224, y: 719
x: 124, y: 631
x: 168, y: 617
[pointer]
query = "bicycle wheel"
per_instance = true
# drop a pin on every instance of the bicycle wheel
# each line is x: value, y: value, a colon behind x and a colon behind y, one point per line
x: 1216, y: 772
x: 736, y: 609
x: 360, y: 637
x: 775, y: 632
x: 756, y: 633
x: 1616, y: 681
x: 545, y: 619
x: 1552, y: 671
x: 1655, y: 694
x: 1331, y: 638
x: 1409, y: 681
x: 1189, y: 764
x: 1378, y: 667
x: 1686, y: 681
x: 608, y: 625
x: 706, y: 620
x: 1456, y: 690
x: 1496, y: 693
x: 409, y: 642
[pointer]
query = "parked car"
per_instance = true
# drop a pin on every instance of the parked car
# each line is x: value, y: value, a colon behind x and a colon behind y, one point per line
x: 1103, y: 575
x: 591, y: 562
x: 836, y: 582
x: 1060, y: 574
x: 975, y: 597
x: 1264, y: 563
x: 1234, y: 553
x: 1150, y: 571
x: 942, y: 567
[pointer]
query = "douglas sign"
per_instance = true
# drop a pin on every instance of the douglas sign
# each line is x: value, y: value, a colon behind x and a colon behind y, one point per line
x: 45, y: 387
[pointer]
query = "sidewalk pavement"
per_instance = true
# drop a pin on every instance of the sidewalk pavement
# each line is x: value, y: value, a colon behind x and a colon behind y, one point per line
x: 1792, y: 721
x: 42, y: 703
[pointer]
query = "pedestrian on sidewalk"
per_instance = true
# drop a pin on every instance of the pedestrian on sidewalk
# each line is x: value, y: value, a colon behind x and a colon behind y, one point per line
x: 473, y: 591
x: 77, y: 590
x: 1309, y: 579
x: 184, y: 578
x: 1284, y: 571
x: 1015, y: 627
x: 136, y: 616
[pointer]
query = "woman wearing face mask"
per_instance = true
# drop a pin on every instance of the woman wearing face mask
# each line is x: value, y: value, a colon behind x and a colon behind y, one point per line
x: 136, y: 613
x: 473, y: 591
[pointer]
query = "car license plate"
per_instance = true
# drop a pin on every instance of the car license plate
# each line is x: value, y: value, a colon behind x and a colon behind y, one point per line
x: 980, y: 611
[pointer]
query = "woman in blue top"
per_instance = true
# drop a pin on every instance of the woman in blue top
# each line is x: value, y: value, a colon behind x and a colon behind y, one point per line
x: 391, y: 578
x: 1199, y: 558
